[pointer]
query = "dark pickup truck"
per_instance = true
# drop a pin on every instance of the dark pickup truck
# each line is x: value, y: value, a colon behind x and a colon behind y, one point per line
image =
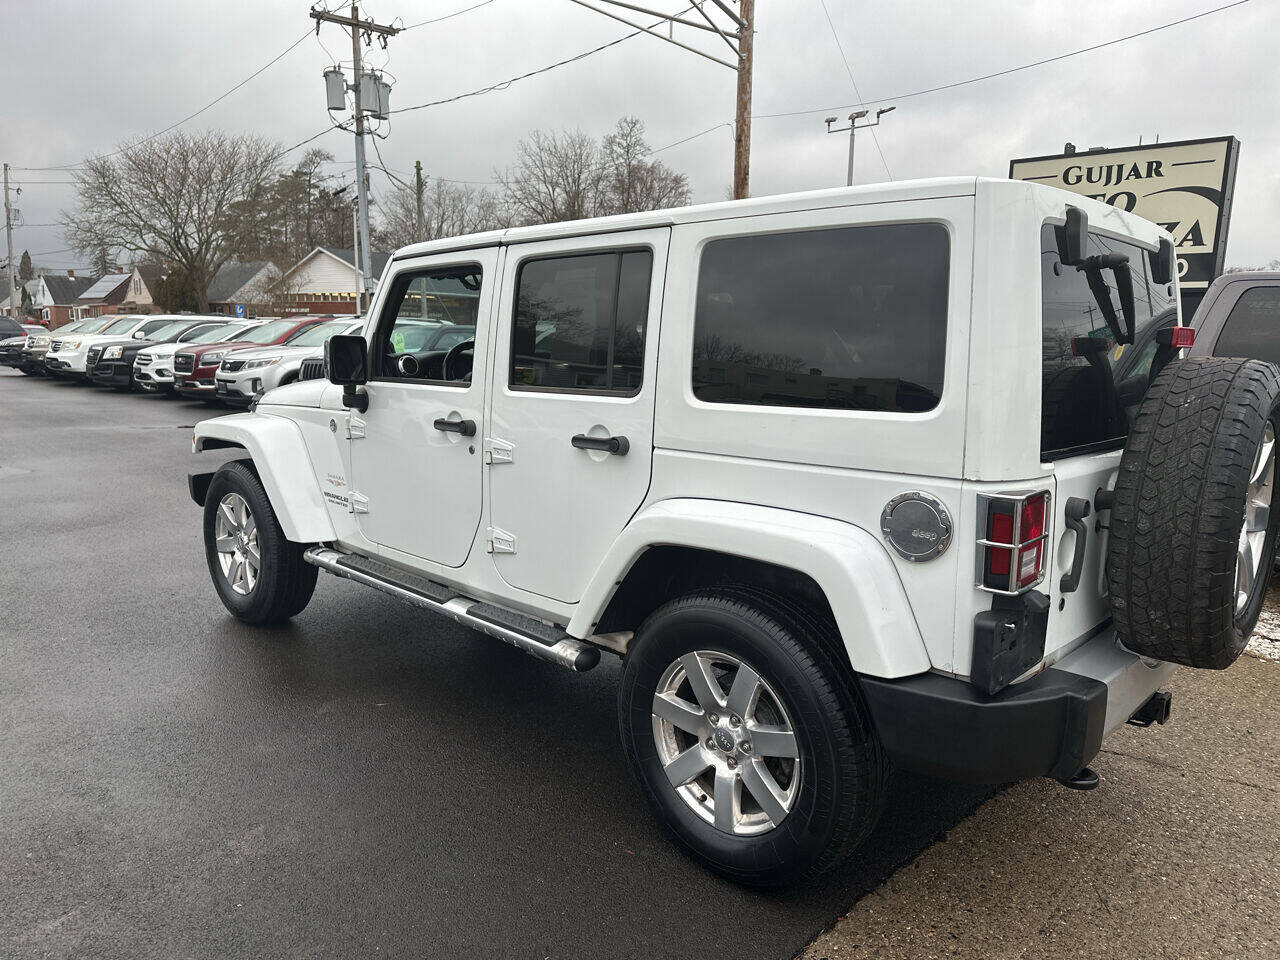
x: 1239, y: 316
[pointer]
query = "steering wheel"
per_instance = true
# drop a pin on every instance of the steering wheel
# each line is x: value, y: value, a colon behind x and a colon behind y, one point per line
x: 450, y: 358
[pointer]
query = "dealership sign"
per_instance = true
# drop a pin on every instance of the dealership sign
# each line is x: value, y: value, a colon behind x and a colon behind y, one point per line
x: 1184, y: 186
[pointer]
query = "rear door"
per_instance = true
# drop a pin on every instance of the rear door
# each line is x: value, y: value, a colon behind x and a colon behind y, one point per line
x: 570, y: 439
x: 1091, y: 387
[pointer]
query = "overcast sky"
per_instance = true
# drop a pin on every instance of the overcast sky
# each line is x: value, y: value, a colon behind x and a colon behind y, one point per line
x: 82, y: 78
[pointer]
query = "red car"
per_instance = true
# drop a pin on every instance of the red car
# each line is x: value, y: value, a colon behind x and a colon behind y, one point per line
x: 193, y: 368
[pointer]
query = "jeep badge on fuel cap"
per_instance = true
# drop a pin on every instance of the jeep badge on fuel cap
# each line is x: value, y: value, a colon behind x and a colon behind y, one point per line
x: 916, y: 525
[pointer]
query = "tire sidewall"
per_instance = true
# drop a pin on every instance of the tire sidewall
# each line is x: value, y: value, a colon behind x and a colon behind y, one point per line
x: 807, y: 831
x: 236, y: 477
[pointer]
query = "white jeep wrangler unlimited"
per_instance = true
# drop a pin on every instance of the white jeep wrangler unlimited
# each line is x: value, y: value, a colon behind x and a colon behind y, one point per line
x: 852, y: 479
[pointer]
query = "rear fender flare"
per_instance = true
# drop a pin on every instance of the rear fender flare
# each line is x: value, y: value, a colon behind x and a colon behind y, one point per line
x: 850, y: 565
x: 280, y: 456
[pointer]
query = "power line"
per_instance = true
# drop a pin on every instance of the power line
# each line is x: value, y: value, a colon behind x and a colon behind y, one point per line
x: 448, y: 16
x: 1004, y: 73
x: 502, y: 85
x: 856, y: 92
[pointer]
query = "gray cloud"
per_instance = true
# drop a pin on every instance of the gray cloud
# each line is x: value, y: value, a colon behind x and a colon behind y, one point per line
x: 89, y: 76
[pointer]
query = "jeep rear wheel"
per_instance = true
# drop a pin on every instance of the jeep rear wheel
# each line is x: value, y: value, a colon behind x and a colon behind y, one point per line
x: 1193, y: 532
x: 259, y: 574
x: 750, y: 742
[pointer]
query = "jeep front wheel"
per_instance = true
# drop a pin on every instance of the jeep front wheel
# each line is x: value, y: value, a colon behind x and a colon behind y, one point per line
x: 260, y: 575
x: 751, y: 744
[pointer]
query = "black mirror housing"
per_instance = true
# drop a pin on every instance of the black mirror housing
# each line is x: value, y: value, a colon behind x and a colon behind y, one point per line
x: 346, y: 360
x: 1162, y: 262
x: 1073, y: 237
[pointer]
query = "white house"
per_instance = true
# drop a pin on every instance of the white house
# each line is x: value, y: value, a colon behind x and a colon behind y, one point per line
x: 325, y: 281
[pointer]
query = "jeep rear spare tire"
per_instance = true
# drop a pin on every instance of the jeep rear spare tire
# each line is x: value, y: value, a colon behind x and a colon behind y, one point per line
x: 1192, y: 530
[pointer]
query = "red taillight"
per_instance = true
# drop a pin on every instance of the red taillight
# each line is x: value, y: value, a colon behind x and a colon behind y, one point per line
x: 1183, y: 337
x: 1012, y: 553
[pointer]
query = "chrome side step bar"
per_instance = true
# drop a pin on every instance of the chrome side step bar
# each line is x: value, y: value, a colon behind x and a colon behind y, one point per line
x: 542, y: 640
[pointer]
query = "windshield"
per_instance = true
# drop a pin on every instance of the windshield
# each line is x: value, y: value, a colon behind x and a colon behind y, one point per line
x: 1088, y: 396
x: 167, y: 331
x: 216, y: 333
x: 120, y: 326
x: 314, y: 336
x: 264, y: 333
x: 193, y: 334
x: 93, y: 324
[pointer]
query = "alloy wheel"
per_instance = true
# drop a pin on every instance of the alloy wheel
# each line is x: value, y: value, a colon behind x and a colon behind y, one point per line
x: 236, y: 541
x: 726, y: 743
x: 1257, y: 517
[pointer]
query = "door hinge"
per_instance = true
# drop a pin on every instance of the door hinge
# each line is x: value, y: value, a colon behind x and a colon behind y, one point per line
x: 355, y: 427
x: 500, y: 541
x: 498, y: 451
x: 358, y: 503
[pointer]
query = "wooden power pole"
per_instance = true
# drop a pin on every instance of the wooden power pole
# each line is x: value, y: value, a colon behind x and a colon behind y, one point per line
x: 742, y: 122
x: 737, y: 33
x: 417, y: 192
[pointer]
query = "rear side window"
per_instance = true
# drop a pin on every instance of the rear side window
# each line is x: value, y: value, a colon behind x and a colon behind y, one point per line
x: 847, y: 319
x: 580, y: 322
x: 1253, y: 326
x: 1088, y: 391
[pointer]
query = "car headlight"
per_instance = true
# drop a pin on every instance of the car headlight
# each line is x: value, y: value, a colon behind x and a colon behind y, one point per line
x: 209, y: 358
x: 264, y: 362
x: 40, y: 341
x: 112, y: 353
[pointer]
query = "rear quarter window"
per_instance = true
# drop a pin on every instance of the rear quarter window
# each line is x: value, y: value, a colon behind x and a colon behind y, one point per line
x: 1252, y: 328
x: 853, y: 318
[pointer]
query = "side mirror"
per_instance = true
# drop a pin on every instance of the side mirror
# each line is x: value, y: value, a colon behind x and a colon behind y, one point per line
x: 346, y: 362
x: 139, y: 335
x: 1073, y: 237
x: 1162, y: 263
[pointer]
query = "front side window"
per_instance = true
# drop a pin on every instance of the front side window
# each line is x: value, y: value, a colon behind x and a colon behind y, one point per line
x: 580, y: 322
x: 408, y: 343
x: 853, y: 318
x: 1252, y: 326
x: 1087, y: 393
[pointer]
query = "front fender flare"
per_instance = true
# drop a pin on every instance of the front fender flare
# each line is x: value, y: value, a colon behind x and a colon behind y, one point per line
x: 280, y: 456
x: 851, y: 566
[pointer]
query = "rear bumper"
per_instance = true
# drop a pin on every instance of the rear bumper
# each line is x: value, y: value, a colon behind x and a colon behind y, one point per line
x: 1050, y: 725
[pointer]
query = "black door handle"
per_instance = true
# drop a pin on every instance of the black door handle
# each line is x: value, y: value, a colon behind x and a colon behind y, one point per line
x: 1075, y: 511
x: 618, y: 446
x: 465, y: 427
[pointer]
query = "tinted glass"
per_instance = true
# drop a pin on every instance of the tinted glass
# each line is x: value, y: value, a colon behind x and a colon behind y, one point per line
x: 119, y: 326
x: 213, y: 333
x: 848, y: 319
x: 9, y: 327
x: 420, y: 306
x: 1253, y: 326
x: 580, y: 322
x: 315, y: 336
x: 171, y: 329
x: 1082, y: 407
x: 264, y: 333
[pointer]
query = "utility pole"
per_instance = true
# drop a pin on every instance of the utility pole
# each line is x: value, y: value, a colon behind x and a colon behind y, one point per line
x: 14, y: 306
x: 417, y: 188
x: 742, y: 123
x: 737, y: 34
x: 853, y: 128
x: 368, y: 28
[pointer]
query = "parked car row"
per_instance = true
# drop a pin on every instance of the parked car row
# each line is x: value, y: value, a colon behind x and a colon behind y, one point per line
x: 212, y: 358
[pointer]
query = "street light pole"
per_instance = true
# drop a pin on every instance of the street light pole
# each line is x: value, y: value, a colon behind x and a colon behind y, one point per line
x: 853, y: 128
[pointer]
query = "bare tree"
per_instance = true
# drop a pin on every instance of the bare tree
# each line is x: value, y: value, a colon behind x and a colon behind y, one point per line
x: 448, y: 210
x: 194, y: 200
x: 633, y: 182
x: 556, y: 176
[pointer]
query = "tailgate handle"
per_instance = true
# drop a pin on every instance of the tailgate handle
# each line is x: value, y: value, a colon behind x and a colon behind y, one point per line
x: 1076, y: 509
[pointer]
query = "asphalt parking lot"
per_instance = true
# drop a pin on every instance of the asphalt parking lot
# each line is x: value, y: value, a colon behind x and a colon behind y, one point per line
x: 372, y: 781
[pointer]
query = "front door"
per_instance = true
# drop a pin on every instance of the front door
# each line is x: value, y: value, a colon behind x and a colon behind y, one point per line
x: 415, y: 453
x: 571, y: 418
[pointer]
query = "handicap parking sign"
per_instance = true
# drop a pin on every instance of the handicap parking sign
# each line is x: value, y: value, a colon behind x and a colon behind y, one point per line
x: 239, y: 309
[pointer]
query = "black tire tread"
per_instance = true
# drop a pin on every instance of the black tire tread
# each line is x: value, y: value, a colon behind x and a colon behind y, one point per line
x: 1178, y: 507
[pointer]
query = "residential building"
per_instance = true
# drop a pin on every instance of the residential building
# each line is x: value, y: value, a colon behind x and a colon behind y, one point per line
x: 143, y: 287
x: 107, y: 295
x: 325, y: 281
x: 56, y: 295
x: 246, y: 284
